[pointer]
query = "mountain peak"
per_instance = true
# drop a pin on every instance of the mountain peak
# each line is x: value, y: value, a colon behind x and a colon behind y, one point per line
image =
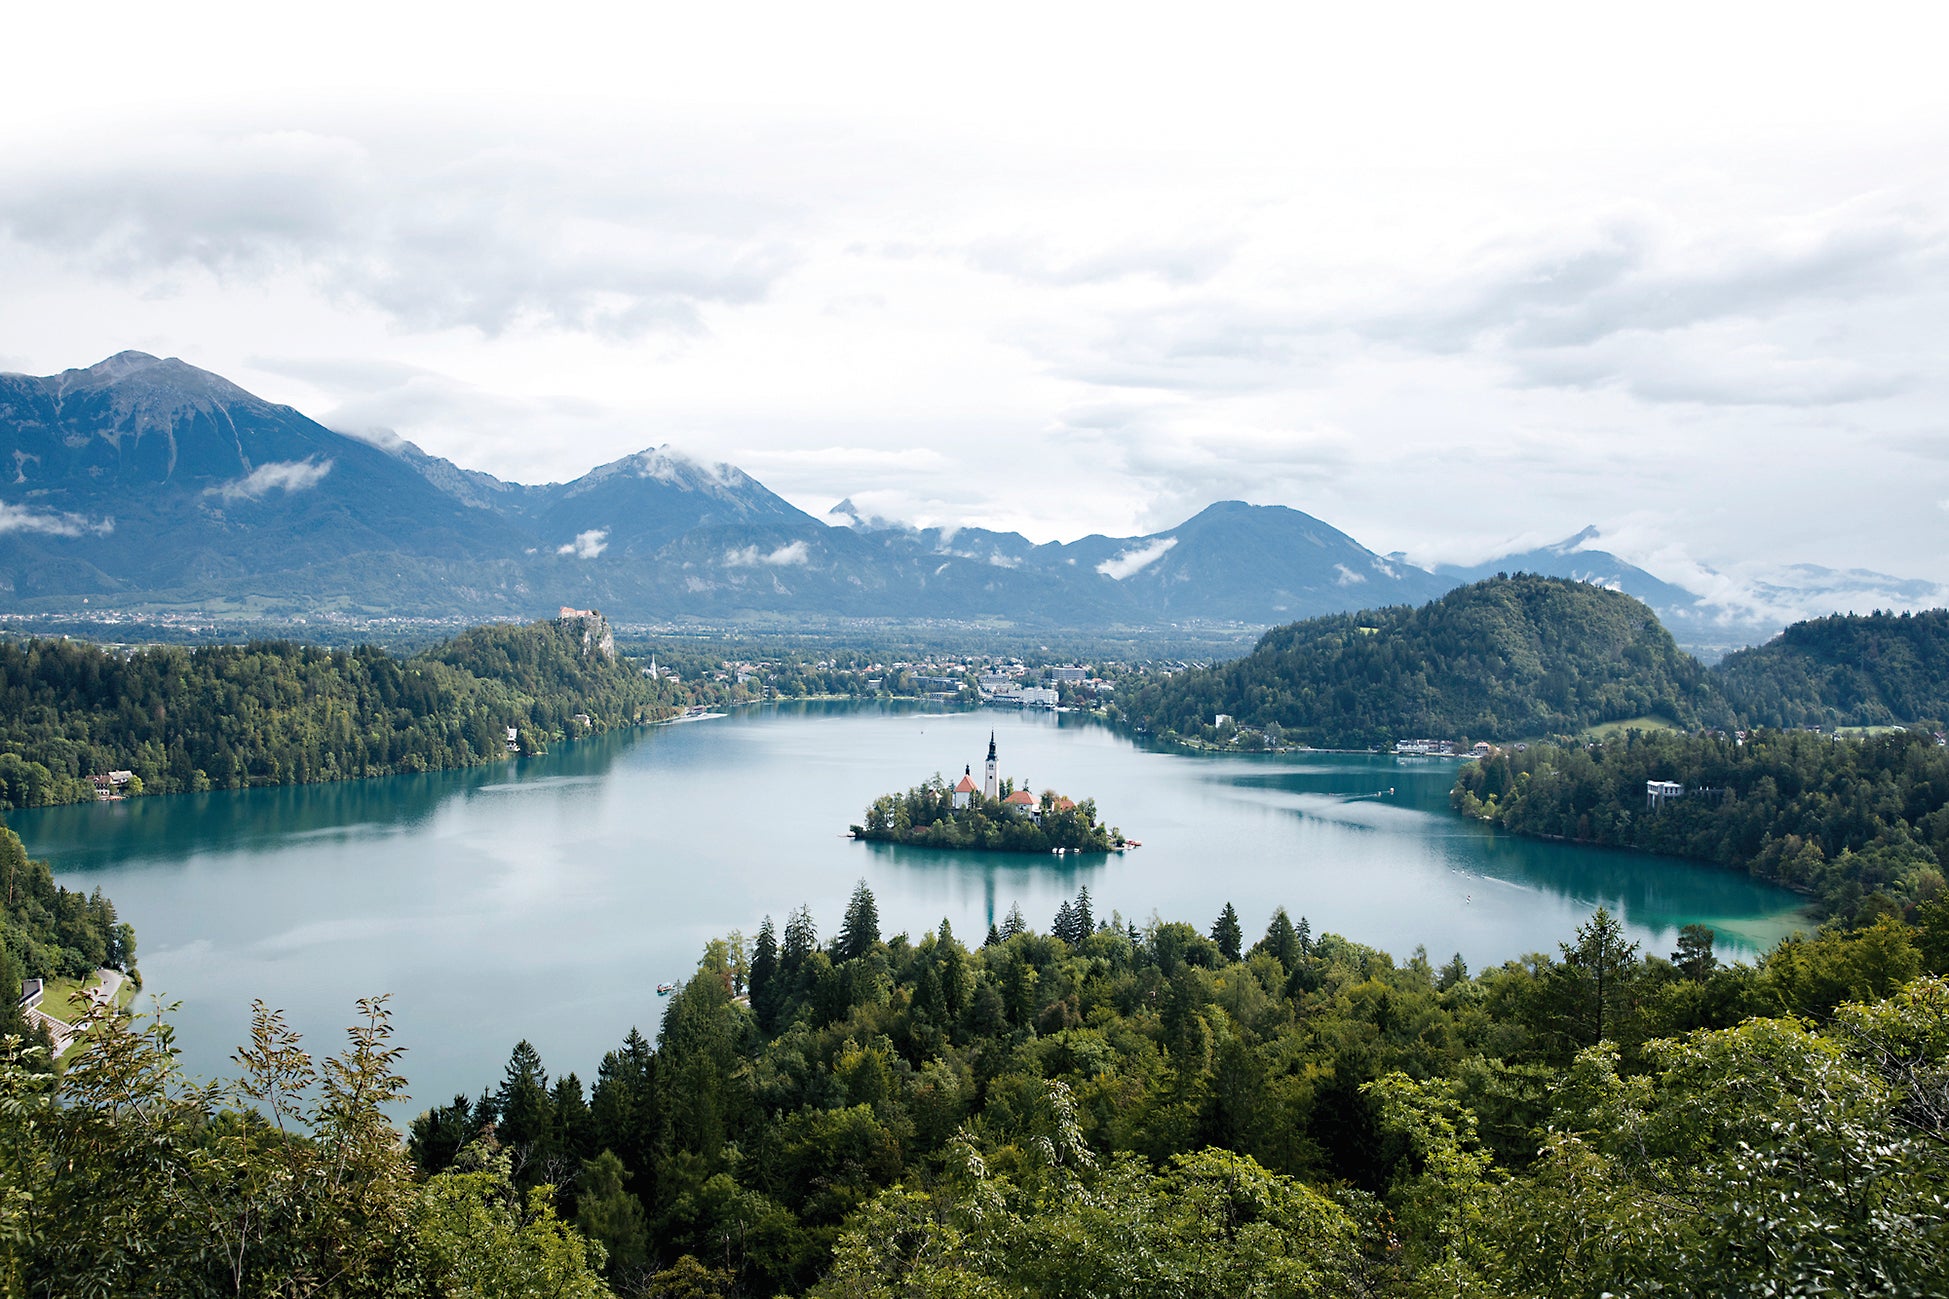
x: 119, y: 365
x: 1577, y: 542
x: 150, y: 381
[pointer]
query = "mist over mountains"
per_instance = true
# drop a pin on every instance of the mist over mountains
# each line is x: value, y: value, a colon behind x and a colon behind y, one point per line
x: 148, y: 484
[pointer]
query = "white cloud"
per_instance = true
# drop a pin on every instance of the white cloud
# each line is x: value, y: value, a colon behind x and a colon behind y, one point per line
x: 53, y: 523
x: 1094, y: 303
x: 288, y: 476
x: 1136, y: 559
x: 785, y: 556
x: 1347, y: 576
x: 587, y: 545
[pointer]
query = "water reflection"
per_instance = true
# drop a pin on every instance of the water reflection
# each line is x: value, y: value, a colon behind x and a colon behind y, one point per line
x: 545, y: 898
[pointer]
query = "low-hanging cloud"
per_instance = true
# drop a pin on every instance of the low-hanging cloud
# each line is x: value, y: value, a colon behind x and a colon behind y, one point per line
x: 288, y: 476
x: 587, y: 545
x: 1135, y: 559
x: 786, y: 556
x: 53, y: 523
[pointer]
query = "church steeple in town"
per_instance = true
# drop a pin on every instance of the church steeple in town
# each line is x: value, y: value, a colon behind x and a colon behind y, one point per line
x: 991, y: 781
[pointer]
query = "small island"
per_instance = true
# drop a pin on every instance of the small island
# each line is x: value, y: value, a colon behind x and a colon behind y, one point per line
x: 994, y: 816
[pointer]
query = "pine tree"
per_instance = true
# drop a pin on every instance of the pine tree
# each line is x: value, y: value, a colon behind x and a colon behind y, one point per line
x: 1305, y: 935
x: 766, y: 992
x: 1064, y: 925
x: 861, y: 929
x: 526, y: 1112
x: 1694, y: 957
x: 1085, y: 921
x: 1598, y: 971
x: 801, y: 940
x: 1281, y: 940
x: 1226, y: 932
x: 1012, y: 923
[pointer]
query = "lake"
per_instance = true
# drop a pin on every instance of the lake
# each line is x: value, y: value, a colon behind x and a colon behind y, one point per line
x: 546, y: 898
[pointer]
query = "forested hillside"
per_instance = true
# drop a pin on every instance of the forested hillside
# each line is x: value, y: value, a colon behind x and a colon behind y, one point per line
x: 1848, y: 670
x: 1105, y: 1110
x: 47, y: 931
x: 1861, y: 825
x: 1508, y: 657
x: 1135, y: 1112
x: 272, y: 712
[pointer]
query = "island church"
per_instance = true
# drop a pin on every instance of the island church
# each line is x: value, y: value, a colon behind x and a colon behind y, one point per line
x: 991, y: 781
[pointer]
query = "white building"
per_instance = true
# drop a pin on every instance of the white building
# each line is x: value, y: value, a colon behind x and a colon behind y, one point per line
x: 1657, y: 793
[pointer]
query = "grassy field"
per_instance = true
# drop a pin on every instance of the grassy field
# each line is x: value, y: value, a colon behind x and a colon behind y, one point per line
x: 1863, y: 732
x: 1610, y: 729
x: 62, y: 998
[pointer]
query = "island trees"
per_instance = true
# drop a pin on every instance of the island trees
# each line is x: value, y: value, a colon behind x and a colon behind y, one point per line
x: 925, y: 816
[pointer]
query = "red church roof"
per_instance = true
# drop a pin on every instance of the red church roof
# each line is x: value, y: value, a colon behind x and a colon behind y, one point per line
x: 967, y: 785
x: 1021, y: 798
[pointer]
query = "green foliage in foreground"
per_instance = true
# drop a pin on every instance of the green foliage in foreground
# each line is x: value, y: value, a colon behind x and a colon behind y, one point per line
x: 925, y: 816
x: 1862, y: 825
x: 1135, y: 1112
x: 1503, y: 658
x: 275, y: 713
x: 1130, y: 1113
x: 120, y: 1177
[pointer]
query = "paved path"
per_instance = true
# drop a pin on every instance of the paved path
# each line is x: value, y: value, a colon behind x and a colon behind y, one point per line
x: 64, y: 1035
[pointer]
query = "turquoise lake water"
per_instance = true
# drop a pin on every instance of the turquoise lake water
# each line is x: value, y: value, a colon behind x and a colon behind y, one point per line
x: 546, y: 898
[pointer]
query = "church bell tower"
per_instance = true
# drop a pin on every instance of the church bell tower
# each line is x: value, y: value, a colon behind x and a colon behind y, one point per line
x: 991, y: 781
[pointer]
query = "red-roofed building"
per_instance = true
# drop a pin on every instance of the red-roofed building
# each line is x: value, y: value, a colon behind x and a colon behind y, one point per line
x: 967, y: 789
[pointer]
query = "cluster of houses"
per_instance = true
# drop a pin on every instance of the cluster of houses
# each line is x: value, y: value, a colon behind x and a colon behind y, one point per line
x: 111, y: 784
x: 1440, y: 749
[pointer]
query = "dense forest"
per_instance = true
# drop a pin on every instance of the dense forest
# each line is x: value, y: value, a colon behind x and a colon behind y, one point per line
x: 1873, y: 670
x: 1528, y: 657
x: 273, y: 712
x: 1507, y: 657
x: 1862, y: 825
x: 925, y: 816
x: 1112, y: 1111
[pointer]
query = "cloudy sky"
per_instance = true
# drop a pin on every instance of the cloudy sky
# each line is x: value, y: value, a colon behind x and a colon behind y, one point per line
x: 1449, y: 278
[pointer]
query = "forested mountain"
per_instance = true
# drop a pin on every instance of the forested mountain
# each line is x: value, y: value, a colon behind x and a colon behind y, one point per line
x: 271, y: 712
x: 1691, y: 620
x: 1508, y: 657
x: 1875, y: 670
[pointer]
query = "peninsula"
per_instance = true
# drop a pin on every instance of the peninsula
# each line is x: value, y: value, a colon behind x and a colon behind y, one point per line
x: 995, y: 815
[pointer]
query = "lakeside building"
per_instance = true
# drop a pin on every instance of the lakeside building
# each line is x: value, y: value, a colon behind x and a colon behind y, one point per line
x: 1657, y: 793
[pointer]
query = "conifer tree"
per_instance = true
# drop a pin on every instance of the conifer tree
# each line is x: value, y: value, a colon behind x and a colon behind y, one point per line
x: 861, y: 928
x: 1226, y: 932
x: 766, y: 993
x: 1282, y: 940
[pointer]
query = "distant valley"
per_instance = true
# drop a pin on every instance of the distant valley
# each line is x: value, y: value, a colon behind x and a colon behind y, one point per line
x: 149, y: 485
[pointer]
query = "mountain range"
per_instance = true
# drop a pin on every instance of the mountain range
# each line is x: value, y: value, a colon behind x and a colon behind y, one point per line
x: 148, y: 484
